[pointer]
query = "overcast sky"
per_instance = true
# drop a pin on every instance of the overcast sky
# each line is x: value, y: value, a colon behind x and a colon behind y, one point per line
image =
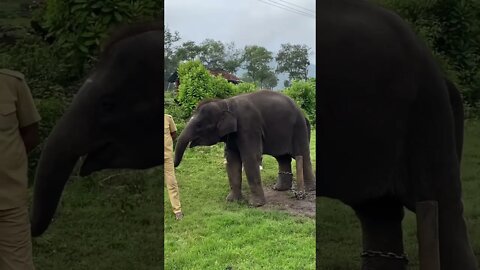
x: 245, y: 22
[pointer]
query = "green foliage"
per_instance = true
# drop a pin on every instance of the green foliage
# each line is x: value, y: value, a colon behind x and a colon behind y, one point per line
x: 233, y: 58
x: 269, y: 80
x: 169, y: 58
x: 50, y: 109
x: 79, y: 26
x: 451, y: 29
x: 221, y: 88
x: 245, y: 87
x: 256, y: 59
x: 212, y: 53
x: 42, y: 66
x: 303, y: 92
x: 195, y: 85
x: 293, y: 59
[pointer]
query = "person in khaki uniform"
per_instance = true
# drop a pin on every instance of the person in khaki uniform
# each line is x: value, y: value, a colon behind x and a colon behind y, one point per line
x: 18, y: 136
x: 170, y: 133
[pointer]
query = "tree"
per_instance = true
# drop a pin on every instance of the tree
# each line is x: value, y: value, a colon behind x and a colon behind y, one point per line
x: 256, y: 61
x: 451, y: 29
x: 78, y: 28
x: 212, y: 54
x: 169, y: 54
x: 188, y: 51
x: 269, y: 80
x: 233, y: 58
x: 293, y: 59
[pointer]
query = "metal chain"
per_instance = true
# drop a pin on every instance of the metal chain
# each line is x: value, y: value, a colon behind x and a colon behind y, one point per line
x: 287, y: 173
x: 389, y: 255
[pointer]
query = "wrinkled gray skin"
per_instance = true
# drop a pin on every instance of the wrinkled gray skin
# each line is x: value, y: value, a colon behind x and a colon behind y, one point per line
x: 115, y: 120
x: 263, y: 122
x: 390, y: 130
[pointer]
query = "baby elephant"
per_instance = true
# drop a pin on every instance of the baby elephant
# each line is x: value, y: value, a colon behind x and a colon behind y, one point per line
x: 263, y: 122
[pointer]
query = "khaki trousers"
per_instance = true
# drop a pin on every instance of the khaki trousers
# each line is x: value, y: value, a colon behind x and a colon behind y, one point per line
x: 15, y: 239
x: 172, y: 186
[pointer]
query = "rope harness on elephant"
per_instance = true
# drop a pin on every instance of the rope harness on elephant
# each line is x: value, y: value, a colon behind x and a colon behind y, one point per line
x: 388, y: 255
x: 286, y: 173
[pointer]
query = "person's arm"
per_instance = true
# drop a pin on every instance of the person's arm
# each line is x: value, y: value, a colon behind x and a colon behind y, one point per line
x: 28, y: 117
x: 173, y: 128
x: 30, y: 136
x: 174, y: 135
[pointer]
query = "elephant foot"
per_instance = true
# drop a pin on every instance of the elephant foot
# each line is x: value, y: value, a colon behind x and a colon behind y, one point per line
x: 233, y: 197
x: 310, y: 185
x: 380, y: 263
x: 256, y: 201
x: 284, y: 181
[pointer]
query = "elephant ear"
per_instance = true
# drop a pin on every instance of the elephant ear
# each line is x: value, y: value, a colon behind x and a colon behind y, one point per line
x: 227, y: 124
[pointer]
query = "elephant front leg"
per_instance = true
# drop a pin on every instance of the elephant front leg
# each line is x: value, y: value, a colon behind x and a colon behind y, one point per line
x: 253, y: 176
x: 382, y: 235
x: 234, y: 171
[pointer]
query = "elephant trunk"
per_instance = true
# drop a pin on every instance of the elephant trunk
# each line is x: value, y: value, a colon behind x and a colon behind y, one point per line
x: 183, y: 140
x: 60, y: 153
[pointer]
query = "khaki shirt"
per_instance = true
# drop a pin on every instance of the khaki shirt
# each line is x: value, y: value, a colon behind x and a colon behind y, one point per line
x: 168, y: 128
x: 17, y: 110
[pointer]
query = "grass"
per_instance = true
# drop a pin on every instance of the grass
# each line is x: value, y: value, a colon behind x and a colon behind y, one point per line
x: 106, y: 221
x: 215, y: 234
x: 339, y: 235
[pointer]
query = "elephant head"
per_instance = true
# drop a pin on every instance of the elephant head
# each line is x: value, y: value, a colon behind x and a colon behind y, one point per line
x: 211, y: 122
x: 115, y: 120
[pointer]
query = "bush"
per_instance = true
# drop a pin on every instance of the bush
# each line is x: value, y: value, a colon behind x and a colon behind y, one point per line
x: 195, y: 85
x: 79, y: 26
x: 221, y: 88
x: 450, y: 29
x: 303, y: 92
x: 245, y: 87
x: 50, y: 109
x: 43, y: 68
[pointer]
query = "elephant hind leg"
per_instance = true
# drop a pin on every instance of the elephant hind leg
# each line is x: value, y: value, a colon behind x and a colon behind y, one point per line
x: 285, y: 176
x: 381, y: 222
x: 309, y: 177
x: 301, y: 147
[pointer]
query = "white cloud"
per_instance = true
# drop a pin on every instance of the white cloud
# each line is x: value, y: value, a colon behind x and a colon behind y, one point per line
x: 244, y: 22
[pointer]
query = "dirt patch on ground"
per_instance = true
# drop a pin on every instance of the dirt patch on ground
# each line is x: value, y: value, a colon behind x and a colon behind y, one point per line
x: 287, y: 202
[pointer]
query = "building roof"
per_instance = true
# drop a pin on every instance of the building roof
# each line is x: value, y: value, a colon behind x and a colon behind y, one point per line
x: 225, y: 74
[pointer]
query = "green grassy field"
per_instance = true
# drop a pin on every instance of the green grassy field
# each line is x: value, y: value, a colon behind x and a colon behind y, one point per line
x: 215, y: 234
x: 339, y: 232
x: 111, y: 220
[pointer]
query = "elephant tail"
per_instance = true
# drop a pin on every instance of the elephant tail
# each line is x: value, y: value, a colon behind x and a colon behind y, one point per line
x: 308, y: 128
x: 458, y: 115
